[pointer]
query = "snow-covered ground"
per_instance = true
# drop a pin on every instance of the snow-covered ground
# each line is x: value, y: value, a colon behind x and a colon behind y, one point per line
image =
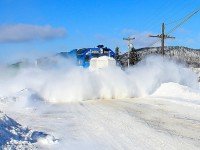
x: 15, y: 136
x: 155, y: 105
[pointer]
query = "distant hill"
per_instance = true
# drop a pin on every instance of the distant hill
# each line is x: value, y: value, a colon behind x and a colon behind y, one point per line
x: 188, y: 55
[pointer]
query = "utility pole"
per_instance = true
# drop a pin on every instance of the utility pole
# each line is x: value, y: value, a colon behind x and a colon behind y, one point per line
x: 162, y: 36
x: 129, y: 47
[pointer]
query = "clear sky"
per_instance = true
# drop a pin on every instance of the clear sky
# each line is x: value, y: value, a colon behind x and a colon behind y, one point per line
x: 31, y: 28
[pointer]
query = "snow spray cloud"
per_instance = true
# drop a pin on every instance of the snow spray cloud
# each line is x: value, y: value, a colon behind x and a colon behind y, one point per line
x: 71, y: 83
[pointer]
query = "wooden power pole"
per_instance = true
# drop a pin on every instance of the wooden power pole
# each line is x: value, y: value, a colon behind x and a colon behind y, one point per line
x: 129, y: 47
x: 162, y: 36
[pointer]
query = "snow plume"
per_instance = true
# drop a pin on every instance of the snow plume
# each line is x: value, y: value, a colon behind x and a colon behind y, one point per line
x: 66, y: 84
x: 153, y: 71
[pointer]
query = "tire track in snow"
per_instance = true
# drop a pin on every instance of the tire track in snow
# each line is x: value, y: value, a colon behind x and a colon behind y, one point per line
x: 171, y: 122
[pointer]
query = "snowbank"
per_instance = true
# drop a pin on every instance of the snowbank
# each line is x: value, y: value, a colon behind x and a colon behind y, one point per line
x: 25, y: 98
x: 177, y: 92
x: 15, y: 136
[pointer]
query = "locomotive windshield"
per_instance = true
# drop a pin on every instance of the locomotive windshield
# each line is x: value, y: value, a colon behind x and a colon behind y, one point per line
x: 95, y: 53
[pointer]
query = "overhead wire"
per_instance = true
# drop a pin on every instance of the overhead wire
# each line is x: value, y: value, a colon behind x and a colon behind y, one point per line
x: 186, y: 18
x: 164, y: 13
x: 175, y: 12
x: 159, y: 13
x: 175, y: 21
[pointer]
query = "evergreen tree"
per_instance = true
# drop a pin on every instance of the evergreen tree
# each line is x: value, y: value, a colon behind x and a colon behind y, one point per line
x: 134, y: 57
x: 117, y: 53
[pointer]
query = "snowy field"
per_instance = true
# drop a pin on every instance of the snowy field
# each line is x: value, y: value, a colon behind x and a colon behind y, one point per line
x: 155, y: 105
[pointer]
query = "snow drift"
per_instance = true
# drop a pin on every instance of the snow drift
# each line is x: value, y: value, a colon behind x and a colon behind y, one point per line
x: 67, y: 84
x: 174, y: 91
x: 15, y: 136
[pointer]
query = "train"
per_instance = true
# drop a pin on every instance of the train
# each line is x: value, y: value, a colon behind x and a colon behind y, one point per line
x: 94, y: 58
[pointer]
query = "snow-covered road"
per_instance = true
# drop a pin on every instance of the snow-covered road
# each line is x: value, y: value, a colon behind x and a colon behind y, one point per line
x: 145, y: 123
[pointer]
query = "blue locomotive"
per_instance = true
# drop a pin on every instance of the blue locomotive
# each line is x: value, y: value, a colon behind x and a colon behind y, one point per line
x: 84, y: 55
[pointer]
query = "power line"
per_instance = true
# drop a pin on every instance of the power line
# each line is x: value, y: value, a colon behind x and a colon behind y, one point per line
x: 186, y: 19
x: 174, y: 13
x: 176, y: 21
x: 171, y: 11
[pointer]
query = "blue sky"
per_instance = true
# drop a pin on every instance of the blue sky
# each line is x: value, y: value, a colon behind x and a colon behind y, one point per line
x: 34, y: 28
